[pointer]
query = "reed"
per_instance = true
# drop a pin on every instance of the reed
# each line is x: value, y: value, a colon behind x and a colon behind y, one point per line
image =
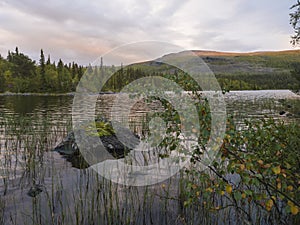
x: 65, y: 195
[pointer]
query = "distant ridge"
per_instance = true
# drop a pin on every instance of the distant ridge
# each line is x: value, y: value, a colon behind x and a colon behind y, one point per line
x: 217, y: 53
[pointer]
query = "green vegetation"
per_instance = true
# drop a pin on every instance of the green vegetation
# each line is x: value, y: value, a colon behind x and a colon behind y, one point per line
x: 252, y: 81
x: 234, y: 71
x: 257, y: 71
x: 258, y: 167
x: 103, y: 128
x: 20, y: 74
x: 256, y: 175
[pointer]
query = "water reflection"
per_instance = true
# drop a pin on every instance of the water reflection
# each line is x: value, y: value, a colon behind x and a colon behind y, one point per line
x: 31, y: 126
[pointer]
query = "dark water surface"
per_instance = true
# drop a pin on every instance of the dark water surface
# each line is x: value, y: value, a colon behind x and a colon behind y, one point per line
x: 38, y: 186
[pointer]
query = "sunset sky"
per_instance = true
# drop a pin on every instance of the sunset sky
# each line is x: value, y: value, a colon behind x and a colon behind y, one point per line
x: 81, y: 31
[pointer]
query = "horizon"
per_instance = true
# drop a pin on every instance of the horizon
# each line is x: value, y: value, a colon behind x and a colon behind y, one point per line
x: 205, y: 53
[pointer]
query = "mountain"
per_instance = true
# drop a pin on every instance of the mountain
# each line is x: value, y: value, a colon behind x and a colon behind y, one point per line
x: 251, y: 71
x: 258, y: 53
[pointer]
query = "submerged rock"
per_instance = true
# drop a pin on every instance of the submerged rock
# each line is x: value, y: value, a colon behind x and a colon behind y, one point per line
x: 284, y: 113
x: 281, y: 113
x: 69, y: 149
x: 35, y: 190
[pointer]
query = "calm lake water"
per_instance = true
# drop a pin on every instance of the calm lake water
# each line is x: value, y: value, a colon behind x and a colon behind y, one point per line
x: 31, y: 126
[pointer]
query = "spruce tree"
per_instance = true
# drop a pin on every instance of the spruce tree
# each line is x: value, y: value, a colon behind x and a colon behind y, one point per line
x: 48, y: 61
x: 43, y: 71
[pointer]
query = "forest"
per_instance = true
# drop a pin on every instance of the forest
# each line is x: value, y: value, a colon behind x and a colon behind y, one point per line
x: 20, y: 74
x: 278, y: 70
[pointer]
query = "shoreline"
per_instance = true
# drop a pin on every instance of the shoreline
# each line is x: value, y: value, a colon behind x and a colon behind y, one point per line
x: 46, y: 94
x: 110, y: 92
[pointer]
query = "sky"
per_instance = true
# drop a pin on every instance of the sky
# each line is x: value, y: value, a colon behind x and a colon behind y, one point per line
x: 83, y: 30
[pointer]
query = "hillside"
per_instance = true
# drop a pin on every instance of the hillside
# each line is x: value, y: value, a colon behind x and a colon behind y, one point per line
x: 255, y: 70
x: 245, y: 71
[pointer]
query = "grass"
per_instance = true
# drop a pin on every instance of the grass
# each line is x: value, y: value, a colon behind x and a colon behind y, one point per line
x: 68, y: 196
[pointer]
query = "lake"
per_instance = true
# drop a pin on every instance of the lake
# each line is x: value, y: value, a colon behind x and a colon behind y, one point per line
x: 39, y: 186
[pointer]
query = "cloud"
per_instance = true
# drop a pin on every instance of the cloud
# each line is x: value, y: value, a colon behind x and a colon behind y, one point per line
x: 81, y: 30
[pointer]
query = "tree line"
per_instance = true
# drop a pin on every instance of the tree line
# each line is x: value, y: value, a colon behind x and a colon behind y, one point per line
x: 21, y: 74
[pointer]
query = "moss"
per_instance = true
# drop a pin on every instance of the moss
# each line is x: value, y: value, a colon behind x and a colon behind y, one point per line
x: 103, y: 129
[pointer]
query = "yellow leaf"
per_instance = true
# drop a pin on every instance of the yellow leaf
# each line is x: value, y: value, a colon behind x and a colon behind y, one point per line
x: 284, y: 175
x: 269, y: 204
x: 222, y: 193
x: 209, y: 190
x: 244, y: 195
x: 242, y: 167
x: 229, y: 189
x: 290, y: 188
x: 276, y: 170
x: 260, y: 162
x: 279, y: 186
x: 294, y: 210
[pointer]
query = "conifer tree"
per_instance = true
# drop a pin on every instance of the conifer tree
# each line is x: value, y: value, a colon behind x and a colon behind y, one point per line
x: 43, y: 71
x: 48, y: 61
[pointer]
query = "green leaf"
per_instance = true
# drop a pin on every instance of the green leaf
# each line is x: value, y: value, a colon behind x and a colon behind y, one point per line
x: 237, y: 195
x: 248, y: 192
